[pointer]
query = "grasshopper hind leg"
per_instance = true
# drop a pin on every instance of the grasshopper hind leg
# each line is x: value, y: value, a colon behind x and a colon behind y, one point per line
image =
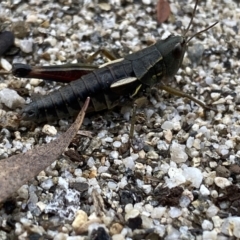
x: 182, y: 94
x: 103, y: 52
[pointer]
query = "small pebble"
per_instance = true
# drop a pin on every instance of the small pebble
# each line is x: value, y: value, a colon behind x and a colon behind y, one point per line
x: 175, y: 212
x: 204, y: 191
x: 132, y: 214
x: 231, y: 226
x: 11, y: 99
x: 26, y: 46
x: 207, y: 225
x: 49, y: 130
x: 178, y: 153
x: 80, y: 219
x: 194, y: 175
x: 116, y: 228
x: 222, y: 182
x: 158, y: 212
x: 5, y: 64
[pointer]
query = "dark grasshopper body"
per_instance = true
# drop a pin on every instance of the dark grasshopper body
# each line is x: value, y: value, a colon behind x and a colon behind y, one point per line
x: 109, y: 84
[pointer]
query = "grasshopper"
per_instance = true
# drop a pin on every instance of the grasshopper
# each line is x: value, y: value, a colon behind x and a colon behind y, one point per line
x: 109, y: 84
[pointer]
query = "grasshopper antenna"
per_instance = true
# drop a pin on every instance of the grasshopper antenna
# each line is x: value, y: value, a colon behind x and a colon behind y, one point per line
x: 190, y: 23
x: 204, y: 30
x: 193, y: 15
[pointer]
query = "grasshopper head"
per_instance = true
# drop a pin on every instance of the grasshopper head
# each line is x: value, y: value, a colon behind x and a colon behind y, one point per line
x: 172, y: 49
x: 30, y: 112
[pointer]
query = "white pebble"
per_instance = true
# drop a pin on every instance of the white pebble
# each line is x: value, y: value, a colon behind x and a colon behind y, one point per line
x: 132, y: 214
x: 210, y: 235
x: 35, y: 82
x: 49, y: 130
x: 102, y: 133
x: 123, y: 183
x: 117, y: 144
x: 118, y: 237
x: 175, y: 212
x: 112, y: 185
x: 194, y: 175
x: 11, y: 99
x: 147, y: 223
x: 63, y: 183
x: 204, y: 191
x: 47, y: 184
x: 217, y: 221
x: 147, y: 188
x: 222, y: 182
x: 167, y: 125
x: 114, y: 154
x: 26, y: 45
x: 102, y: 169
x: 108, y: 139
x: 128, y: 207
x: 215, y: 96
x: 214, y: 193
x: 212, y: 211
x: 90, y: 162
x: 158, y: 212
x: 6, y: 65
x: 129, y: 161
x: 149, y: 208
x: 176, y: 177
x: 178, y: 153
x: 146, y: 2
x: 207, y: 225
x: 78, y: 172
x: 231, y: 227
x: 172, y: 233
x: 190, y: 142
x: 184, y: 201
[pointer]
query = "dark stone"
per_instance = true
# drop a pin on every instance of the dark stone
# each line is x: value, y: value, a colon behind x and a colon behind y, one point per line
x: 134, y: 223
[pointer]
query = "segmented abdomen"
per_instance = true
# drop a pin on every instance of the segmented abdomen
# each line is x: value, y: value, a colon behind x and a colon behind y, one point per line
x: 68, y: 100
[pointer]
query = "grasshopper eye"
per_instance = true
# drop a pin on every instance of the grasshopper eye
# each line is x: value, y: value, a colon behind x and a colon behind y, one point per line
x: 27, y: 115
x: 30, y: 113
x: 177, y: 51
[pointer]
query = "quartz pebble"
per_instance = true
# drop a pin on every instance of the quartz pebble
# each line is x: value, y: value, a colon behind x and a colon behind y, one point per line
x: 204, y: 191
x: 175, y: 212
x: 210, y: 235
x: 158, y: 212
x: 26, y: 46
x: 5, y: 64
x: 50, y: 130
x: 167, y: 125
x: 131, y: 214
x: 207, y: 225
x: 194, y: 175
x: 11, y: 99
x: 231, y: 227
x: 80, y: 219
x: 178, y: 153
x: 222, y: 182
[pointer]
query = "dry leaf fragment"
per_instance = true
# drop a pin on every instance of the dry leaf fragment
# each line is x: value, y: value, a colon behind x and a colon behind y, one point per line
x: 17, y: 170
x: 163, y: 10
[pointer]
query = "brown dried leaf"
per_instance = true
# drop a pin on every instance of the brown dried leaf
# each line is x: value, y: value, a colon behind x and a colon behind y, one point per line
x: 17, y: 170
x: 163, y: 10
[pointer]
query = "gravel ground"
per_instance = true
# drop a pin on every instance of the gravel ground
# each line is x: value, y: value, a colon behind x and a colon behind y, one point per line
x: 179, y: 178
